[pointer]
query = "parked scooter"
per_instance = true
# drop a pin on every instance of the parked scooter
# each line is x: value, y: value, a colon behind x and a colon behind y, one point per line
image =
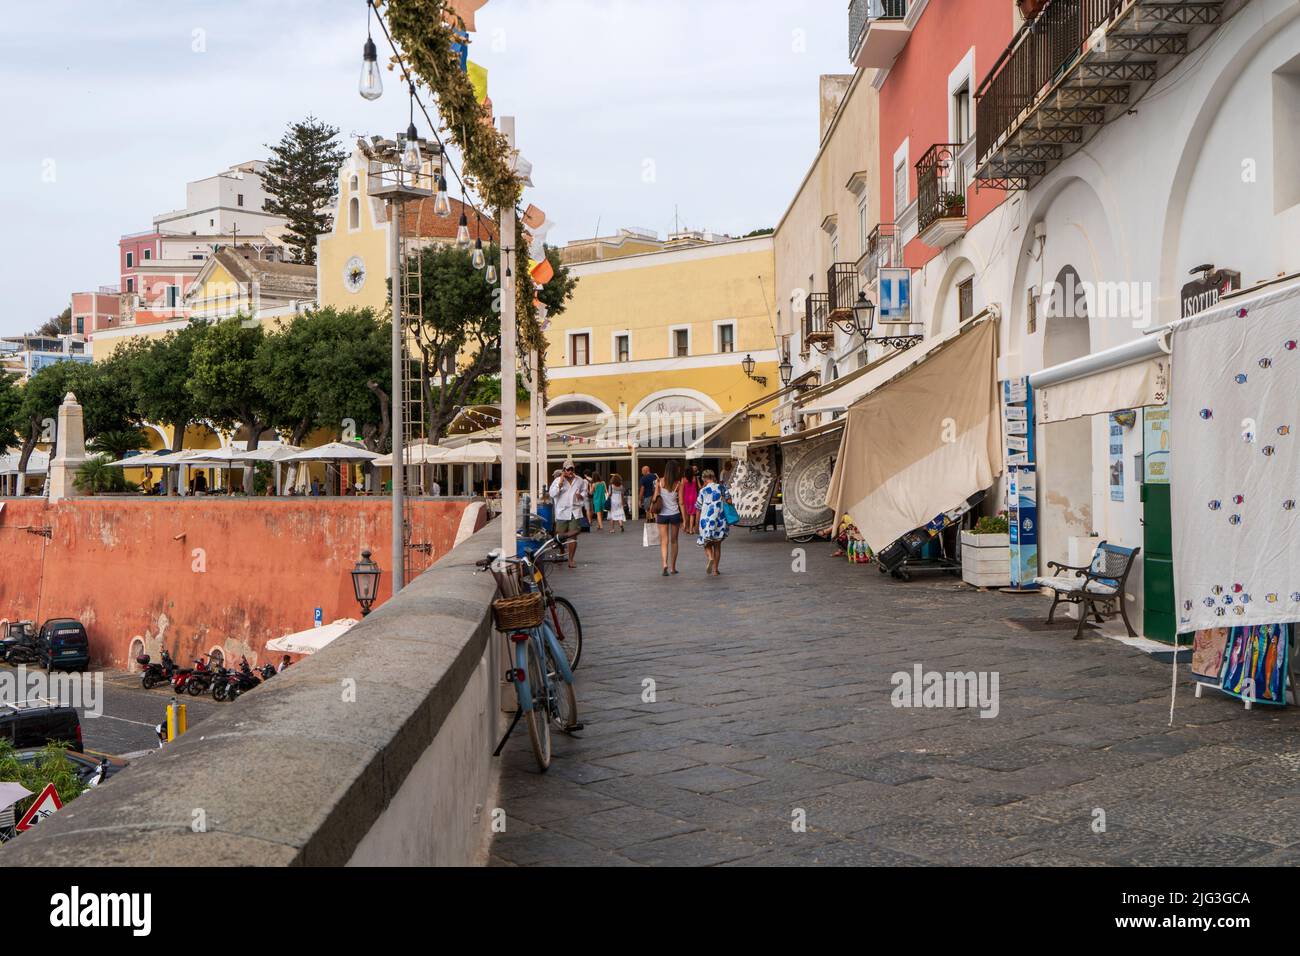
x: 181, y: 679
x: 220, y: 683
x: 242, y: 681
x: 200, y: 681
x: 156, y: 674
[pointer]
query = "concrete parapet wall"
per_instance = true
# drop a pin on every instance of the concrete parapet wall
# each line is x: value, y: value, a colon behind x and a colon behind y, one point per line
x: 376, y: 751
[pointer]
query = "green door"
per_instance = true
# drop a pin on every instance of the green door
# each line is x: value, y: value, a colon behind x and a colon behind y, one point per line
x: 1159, y: 619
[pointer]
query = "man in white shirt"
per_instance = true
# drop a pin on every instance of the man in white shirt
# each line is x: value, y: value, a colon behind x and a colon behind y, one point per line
x: 566, y: 493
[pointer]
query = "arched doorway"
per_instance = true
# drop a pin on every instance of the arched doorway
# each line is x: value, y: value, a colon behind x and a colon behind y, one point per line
x: 1065, y: 455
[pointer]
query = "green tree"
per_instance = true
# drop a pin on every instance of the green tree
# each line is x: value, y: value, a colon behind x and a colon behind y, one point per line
x: 158, y: 370
x: 60, y: 324
x: 223, y: 380
x: 11, y: 401
x: 51, y: 765
x: 39, y: 411
x: 302, y: 179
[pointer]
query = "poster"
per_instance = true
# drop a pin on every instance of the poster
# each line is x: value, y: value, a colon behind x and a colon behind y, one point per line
x: 1155, y: 445
x: 895, y: 296
x: 1022, y: 521
x: 1116, y: 460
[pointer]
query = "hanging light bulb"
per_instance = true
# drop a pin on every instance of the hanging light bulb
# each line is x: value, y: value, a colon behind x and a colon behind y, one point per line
x: 441, y: 201
x: 480, y: 257
x: 462, y: 231
x: 411, y: 158
x: 371, y: 86
x: 491, y: 274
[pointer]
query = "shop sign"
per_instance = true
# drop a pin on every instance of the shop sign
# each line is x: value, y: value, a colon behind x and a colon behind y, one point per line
x: 895, y: 296
x: 1155, y: 445
x: 1200, y: 294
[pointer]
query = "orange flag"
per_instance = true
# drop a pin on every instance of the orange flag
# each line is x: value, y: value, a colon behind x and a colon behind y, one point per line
x: 543, y: 272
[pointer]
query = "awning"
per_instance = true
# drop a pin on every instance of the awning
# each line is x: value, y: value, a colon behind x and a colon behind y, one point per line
x: 845, y: 391
x: 923, y: 441
x: 1132, y: 375
x: 696, y: 449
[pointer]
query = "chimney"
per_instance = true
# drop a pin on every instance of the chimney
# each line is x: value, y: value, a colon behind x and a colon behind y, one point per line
x: 833, y: 87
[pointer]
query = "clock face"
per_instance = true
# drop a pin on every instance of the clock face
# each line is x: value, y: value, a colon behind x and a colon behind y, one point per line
x: 354, y: 274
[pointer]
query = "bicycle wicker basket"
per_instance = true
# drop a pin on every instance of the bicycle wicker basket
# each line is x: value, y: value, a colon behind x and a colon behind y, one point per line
x: 518, y: 613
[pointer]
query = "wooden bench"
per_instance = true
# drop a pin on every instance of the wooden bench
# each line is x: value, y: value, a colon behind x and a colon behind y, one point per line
x: 1095, y: 588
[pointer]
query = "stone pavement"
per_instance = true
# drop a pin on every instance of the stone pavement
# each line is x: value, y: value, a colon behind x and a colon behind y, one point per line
x: 773, y: 705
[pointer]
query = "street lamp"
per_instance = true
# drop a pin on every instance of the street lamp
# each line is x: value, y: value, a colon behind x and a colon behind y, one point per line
x: 365, y: 582
x: 785, y: 369
x: 747, y: 364
x: 864, y: 315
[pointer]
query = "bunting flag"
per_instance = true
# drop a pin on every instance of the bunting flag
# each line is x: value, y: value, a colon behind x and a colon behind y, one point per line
x: 533, y: 217
x: 464, y: 10
x: 460, y: 47
x: 478, y: 78
x: 543, y: 272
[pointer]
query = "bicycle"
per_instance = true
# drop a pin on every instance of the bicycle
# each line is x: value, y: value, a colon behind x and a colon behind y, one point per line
x: 563, y: 615
x: 541, y: 675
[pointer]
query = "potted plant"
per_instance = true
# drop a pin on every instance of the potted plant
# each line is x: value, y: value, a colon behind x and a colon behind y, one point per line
x: 954, y: 204
x: 986, y: 553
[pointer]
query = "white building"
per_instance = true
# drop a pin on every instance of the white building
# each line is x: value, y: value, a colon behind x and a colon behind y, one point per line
x: 231, y: 202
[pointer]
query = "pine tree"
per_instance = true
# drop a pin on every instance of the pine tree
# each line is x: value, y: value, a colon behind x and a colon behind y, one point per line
x: 302, y: 180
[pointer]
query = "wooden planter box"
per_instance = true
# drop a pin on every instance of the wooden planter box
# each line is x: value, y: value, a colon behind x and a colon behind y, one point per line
x: 986, y: 559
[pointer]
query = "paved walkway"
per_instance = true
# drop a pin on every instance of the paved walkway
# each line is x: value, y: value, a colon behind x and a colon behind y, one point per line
x: 773, y: 705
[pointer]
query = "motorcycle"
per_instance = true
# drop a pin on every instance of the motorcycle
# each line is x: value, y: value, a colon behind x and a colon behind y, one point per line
x: 242, y: 681
x: 181, y: 679
x: 201, y: 680
x: 155, y: 674
x: 268, y: 671
x: 220, y: 683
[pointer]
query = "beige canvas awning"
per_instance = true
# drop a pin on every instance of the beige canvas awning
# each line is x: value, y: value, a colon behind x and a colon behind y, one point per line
x: 923, y: 442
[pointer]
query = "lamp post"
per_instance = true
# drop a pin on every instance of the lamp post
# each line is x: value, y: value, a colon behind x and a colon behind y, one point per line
x: 785, y: 369
x: 864, y: 320
x: 365, y: 582
x: 747, y: 365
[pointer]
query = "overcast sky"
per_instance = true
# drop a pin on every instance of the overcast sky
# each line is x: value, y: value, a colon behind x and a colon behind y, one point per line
x: 629, y: 110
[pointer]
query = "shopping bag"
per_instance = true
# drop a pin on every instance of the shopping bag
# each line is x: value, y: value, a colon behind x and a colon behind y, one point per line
x: 732, y: 515
x: 650, y: 535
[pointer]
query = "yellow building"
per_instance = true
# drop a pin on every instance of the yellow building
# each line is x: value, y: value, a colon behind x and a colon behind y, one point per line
x: 667, y: 333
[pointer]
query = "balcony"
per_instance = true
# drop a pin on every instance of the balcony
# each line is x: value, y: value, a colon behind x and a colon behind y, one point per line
x: 1073, y: 68
x: 941, y: 195
x: 844, y: 282
x: 878, y: 31
x: 883, y: 252
x: 817, y: 331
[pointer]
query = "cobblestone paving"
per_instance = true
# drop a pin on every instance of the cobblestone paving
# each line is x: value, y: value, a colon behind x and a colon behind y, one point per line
x: 773, y: 695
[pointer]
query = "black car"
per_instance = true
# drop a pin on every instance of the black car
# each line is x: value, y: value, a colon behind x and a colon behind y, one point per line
x: 62, y: 643
x: 18, y: 643
x: 35, y: 723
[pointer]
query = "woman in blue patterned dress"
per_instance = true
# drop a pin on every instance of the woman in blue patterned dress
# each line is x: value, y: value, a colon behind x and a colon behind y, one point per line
x: 713, y: 519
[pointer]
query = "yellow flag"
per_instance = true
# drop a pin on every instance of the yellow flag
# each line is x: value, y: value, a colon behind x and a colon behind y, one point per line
x: 478, y: 78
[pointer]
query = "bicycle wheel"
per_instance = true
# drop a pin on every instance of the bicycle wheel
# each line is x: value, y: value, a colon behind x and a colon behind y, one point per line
x: 565, y: 713
x: 568, y: 629
x: 538, y: 718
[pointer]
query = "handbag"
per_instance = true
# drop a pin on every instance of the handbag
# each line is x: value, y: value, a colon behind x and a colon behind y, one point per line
x: 649, y: 535
x: 730, y: 512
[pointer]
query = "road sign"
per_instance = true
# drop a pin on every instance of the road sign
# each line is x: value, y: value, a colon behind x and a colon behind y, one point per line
x: 46, y: 805
x: 319, y: 618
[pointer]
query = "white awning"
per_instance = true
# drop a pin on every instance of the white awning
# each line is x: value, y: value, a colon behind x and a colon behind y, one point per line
x: 1132, y: 375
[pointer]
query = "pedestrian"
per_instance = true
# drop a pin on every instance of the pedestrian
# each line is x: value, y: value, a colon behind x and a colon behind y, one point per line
x: 648, y: 481
x: 690, y: 491
x: 667, y: 505
x: 728, y: 470
x: 616, y: 505
x: 598, y: 495
x: 284, y: 664
x: 713, y: 520
x: 565, y: 491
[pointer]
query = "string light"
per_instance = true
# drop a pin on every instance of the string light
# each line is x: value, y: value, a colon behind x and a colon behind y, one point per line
x: 479, y: 259
x: 411, y: 158
x: 442, y: 201
x: 371, y: 85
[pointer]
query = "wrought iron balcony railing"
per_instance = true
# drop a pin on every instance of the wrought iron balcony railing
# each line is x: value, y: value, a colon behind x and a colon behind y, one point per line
x: 882, y: 253
x: 816, y: 325
x: 844, y: 282
x: 863, y: 12
x: 940, y: 185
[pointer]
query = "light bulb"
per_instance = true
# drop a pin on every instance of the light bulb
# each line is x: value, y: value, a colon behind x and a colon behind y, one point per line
x: 411, y: 159
x: 479, y: 258
x: 442, y: 202
x: 491, y: 274
x: 371, y: 86
x: 462, y: 232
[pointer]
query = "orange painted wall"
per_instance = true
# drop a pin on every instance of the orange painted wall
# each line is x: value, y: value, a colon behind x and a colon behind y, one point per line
x: 128, y: 568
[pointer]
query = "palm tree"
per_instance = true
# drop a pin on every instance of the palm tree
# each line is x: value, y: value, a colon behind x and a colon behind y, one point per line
x: 117, y: 444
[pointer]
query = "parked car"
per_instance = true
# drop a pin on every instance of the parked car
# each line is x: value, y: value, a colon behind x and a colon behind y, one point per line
x: 36, y: 723
x: 62, y: 643
x: 18, y: 643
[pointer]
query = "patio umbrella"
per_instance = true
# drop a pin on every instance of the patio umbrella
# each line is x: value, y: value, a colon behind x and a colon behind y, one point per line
x: 335, y: 451
x: 419, y: 454
x: 275, y: 454
x: 11, y: 793
x: 312, y: 640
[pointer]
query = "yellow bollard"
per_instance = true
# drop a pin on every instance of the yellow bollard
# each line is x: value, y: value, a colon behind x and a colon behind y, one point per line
x: 177, y: 723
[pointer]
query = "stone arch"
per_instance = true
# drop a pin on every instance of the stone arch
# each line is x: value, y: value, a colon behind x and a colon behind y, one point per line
x: 134, y: 650
x: 689, y: 399
x: 944, y: 316
x: 594, y: 405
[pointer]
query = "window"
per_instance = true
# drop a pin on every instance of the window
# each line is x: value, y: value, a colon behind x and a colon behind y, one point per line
x: 835, y: 247
x: 198, y: 255
x: 130, y: 285
x: 961, y: 114
x: 966, y: 299
x: 172, y: 294
x: 622, y: 348
x: 580, y: 349
x: 681, y: 343
x: 354, y: 213
x: 354, y: 183
x: 130, y: 259
x: 239, y: 199
x: 727, y: 337
x: 147, y: 254
x: 1031, y: 311
x: 900, y: 187
x: 211, y: 223
x: 81, y: 324
x: 863, y: 232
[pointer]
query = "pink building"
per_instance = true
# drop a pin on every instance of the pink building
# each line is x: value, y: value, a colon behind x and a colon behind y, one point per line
x: 92, y: 311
